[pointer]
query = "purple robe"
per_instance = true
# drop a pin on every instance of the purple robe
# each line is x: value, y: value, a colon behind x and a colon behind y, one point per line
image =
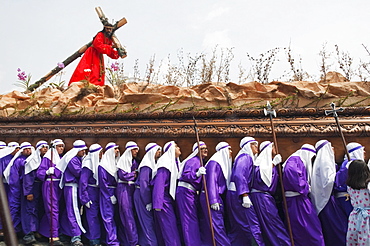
x: 125, y: 197
x: 273, y: 229
x: 166, y: 217
x: 333, y: 217
x: 333, y: 223
x: 142, y: 197
x: 3, y: 164
x: 89, y: 191
x: 244, y: 226
x: 340, y: 189
x: 70, y: 222
x: 305, y: 223
x: 16, y: 191
x: 187, y: 201
x: 31, y: 210
x: 107, y: 185
x: 51, y: 194
x: 216, y: 187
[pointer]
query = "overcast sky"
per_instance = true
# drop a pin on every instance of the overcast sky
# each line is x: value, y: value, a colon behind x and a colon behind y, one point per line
x: 37, y: 34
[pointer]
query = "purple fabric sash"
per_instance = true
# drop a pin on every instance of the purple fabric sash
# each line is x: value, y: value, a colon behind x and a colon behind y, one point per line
x: 265, y: 146
x: 252, y: 140
x: 308, y: 149
x: 356, y: 148
x: 321, y: 145
x: 156, y: 145
x: 94, y: 150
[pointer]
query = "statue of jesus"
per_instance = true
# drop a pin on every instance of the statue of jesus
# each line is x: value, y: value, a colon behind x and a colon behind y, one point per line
x: 91, y: 67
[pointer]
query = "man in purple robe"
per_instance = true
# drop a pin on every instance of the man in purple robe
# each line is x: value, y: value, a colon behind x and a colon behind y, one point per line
x: 6, y: 151
x: 127, y: 173
x: 264, y: 183
x: 305, y: 223
x: 143, y: 195
x: 244, y: 224
x: 31, y: 203
x: 333, y: 218
x: 89, y: 194
x: 164, y: 193
x: 187, y: 193
x: 218, y: 170
x: 356, y: 152
x: 107, y: 181
x: 6, y: 155
x: 13, y: 174
x: 70, y: 166
x: 51, y: 193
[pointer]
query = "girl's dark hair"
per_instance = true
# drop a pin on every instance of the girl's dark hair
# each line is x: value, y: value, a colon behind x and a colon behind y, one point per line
x: 358, y: 175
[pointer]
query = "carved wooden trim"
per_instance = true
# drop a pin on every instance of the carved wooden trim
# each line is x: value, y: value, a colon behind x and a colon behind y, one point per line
x: 287, y: 113
x: 302, y: 122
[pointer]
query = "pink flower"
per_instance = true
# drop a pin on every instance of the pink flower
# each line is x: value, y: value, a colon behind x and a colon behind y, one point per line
x: 21, y: 75
x: 115, y: 66
x: 61, y: 65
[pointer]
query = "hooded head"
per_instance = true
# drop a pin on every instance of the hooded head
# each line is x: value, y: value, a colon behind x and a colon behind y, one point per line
x: 125, y: 161
x: 15, y: 146
x: 34, y: 160
x: 356, y: 151
x: 2, y: 145
x: 246, y: 147
x: 264, y: 161
x: 149, y: 159
x: 91, y: 161
x: 26, y: 148
x: 110, y: 158
x: 202, y: 147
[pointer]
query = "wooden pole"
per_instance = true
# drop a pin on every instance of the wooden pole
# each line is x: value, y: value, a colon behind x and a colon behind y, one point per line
x: 205, y: 186
x: 51, y: 198
x: 271, y: 112
x: 57, y: 69
x: 9, y: 233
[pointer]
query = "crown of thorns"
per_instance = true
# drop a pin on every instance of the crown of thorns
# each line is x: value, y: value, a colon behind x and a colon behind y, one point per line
x: 106, y: 22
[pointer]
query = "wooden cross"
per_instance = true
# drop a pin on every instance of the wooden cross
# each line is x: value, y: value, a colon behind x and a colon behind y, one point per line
x: 268, y: 110
x: 104, y: 20
x: 334, y: 112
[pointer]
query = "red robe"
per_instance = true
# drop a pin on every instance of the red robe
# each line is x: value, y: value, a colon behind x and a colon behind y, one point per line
x: 91, y: 66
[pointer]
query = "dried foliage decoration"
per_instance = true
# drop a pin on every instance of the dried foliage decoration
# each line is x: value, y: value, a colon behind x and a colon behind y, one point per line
x: 262, y: 65
x: 345, y: 63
